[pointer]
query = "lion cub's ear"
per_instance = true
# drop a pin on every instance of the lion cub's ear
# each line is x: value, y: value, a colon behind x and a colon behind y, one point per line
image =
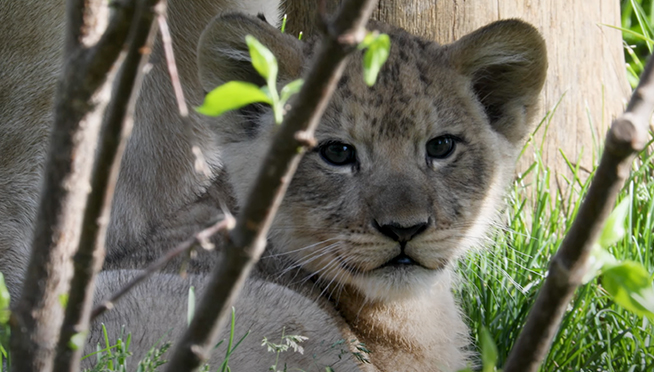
x: 223, y: 54
x: 507, y: 62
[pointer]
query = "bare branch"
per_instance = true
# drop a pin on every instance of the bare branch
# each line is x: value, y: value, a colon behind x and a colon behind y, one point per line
x: 172, y: 66
x: 115, y: 131
x: 84, y: 25
x: 82, y: 95
x: 627, y: 136
x: 248, y: 239
x: 224, y: 225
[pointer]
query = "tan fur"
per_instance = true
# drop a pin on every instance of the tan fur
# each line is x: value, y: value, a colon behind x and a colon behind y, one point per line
x: 328, y: 272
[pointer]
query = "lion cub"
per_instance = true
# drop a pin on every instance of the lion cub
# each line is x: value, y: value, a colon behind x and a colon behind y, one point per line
x: 407, y: 176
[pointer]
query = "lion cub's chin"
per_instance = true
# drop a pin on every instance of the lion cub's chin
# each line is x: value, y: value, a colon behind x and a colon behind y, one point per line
x: 397, y: 283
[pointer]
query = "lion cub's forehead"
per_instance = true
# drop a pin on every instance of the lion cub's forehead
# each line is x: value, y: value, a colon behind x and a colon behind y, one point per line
x: 417, y: 95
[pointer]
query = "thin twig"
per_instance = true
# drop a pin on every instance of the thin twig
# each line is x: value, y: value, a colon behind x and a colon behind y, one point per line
x: 627, y: 136
x: 82, y: 95
x: 172, y: 66
x: 248, y: 239
x: 116, y: 129
x: 224, y: 225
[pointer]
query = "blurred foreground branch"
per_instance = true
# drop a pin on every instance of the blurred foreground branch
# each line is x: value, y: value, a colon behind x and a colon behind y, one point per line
x: 116, y: 129
x: 82, y: 95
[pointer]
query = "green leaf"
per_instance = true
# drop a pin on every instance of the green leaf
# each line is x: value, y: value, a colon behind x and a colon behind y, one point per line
x: 368, y: 39
x: 630, y: 285
x: 231, y: 96
x: 614, y: 228
x: 77, y: 341
x: 488, y: 351
x: 5, y: 298
x: 262, y: 59
x: 599, y: 259
x: 63, y: 300
x: 290, y: 89
x: 374, y: 58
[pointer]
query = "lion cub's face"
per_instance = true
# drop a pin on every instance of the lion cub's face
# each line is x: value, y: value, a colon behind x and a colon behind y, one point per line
x: 407, y: 174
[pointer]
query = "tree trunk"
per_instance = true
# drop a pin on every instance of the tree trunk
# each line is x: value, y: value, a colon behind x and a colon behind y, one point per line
x: 586, y: 60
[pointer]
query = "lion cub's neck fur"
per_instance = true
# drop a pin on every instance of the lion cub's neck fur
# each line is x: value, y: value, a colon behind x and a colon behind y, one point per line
x: 404, y: 333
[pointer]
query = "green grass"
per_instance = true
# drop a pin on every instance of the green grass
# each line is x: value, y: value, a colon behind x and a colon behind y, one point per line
x: 115, y: 355
x: 638, y: 35
x: 501, y: 282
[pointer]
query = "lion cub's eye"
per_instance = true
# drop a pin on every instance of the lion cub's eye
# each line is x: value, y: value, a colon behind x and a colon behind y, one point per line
x: 441, y: 147
x: 337, y: 153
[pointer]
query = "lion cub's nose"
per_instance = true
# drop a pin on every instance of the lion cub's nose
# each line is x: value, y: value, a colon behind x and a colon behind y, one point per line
x: 401, y: 233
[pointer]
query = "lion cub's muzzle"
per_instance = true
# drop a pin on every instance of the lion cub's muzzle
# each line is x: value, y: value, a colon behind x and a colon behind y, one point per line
x: 402, y: 235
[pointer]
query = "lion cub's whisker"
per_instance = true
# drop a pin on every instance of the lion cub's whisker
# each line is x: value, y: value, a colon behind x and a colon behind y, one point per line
x: 309, y: 258
x: 300, y: 249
